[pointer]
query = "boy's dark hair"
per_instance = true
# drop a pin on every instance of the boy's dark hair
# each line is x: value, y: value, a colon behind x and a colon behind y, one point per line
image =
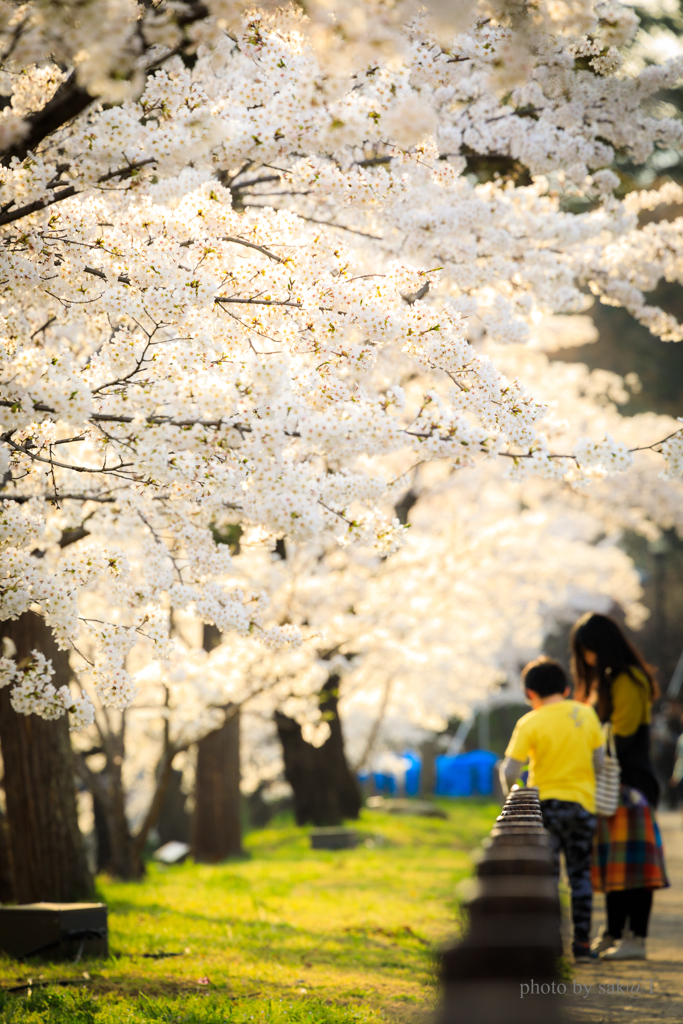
x: 544, y: 676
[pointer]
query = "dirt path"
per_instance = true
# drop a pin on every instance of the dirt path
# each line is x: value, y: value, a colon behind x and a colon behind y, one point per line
x: 661, y: 975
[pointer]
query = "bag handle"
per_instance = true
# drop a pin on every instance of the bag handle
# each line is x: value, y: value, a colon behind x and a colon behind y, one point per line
x: 611, y: 743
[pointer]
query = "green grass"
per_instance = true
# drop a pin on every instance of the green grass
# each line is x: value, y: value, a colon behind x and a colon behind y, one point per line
x: 286, y: 935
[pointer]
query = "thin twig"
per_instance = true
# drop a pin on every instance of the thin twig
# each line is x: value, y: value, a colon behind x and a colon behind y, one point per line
x: 329, y: 223
x: 253, y: 245
x: 259, y: 302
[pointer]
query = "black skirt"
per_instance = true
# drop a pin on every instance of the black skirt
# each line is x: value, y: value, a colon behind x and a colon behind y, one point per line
x: 633, y: 753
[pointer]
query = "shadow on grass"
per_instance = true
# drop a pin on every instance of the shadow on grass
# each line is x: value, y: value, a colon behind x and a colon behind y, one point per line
x: 372, y: 947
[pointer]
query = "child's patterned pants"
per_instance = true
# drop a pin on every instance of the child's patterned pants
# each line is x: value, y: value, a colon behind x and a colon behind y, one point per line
x: 571, y: 829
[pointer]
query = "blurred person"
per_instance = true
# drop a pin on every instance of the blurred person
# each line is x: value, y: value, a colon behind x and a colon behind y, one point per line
x: 677, y: 774
x: 628, y: 859
x: 664, y: 736
x: 563, y: 742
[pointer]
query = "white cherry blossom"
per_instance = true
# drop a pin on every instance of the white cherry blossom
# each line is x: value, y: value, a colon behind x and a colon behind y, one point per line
x: 255, y: 265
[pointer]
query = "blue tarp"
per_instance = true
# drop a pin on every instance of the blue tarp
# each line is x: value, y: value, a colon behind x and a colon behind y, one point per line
x: 469, y: 774
x: 384, y: 784
x: 413, y: 773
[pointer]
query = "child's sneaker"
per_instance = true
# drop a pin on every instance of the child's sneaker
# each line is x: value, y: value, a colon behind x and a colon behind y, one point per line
x: 582, y: 952
x: 604, y: 941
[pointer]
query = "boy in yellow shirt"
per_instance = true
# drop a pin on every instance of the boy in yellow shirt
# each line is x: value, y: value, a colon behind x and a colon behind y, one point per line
x: 563, y: 742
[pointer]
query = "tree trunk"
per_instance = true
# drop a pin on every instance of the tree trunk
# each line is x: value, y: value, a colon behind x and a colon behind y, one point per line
x: 216, y: 824
x: 174, y: 821
x: 428, y: 770
x: 6, y: 872
x: 325, y: 789
x: 217, y: 819
x: 45, y: 845
x: 126, y: 861
x: 119, y: 852
x: 102, y: 836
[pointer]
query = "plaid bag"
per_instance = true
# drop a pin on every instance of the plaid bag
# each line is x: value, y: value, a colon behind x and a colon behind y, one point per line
x: 627, y: 849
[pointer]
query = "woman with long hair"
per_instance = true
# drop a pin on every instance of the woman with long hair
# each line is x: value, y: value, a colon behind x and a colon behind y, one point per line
x: 628, y: 860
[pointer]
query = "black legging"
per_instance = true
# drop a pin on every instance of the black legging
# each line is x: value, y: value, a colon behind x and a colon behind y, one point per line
x: 634, y: 904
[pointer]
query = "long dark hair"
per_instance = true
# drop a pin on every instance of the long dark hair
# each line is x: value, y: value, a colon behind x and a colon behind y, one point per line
x: 616, y: 654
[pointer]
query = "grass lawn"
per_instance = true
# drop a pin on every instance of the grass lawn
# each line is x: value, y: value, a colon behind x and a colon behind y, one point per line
x: 286, y: 935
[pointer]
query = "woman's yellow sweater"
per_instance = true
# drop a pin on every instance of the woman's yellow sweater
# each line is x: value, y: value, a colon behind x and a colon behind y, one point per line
x: 630, y: 703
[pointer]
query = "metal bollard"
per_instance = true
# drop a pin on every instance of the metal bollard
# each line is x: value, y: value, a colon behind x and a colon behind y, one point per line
x: 513, y: 938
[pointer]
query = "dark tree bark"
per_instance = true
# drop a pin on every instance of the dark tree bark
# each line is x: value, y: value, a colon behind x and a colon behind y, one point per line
x: 428, y: 772
x: 403, y: 507
x: 216, y: 822
x: 262, y: 811
x: 174, y: 821
x: 68, y: 102
x: 45, y: 845
x: 126, y: 854
x: 6, y: 872
x: 117, y: 851
x: 325, y: 789
x: 102, y: 837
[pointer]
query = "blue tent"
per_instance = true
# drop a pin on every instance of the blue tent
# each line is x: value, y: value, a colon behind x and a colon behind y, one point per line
x: 467, y: 774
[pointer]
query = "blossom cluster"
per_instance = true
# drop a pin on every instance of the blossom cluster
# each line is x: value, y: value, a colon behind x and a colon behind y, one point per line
x: 672, y: 451
x: 33, y: 693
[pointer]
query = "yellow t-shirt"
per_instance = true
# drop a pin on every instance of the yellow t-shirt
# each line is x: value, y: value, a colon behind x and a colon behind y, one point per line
x: 559, y: 740
x: 630, y: 702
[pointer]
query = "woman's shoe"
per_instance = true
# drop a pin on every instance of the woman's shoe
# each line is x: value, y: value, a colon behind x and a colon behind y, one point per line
x: 631, y: 947
x: 604, y: 941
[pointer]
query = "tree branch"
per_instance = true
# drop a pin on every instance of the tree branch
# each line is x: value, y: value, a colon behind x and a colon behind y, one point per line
x: 252, y: 245
x: 65, y: 465
x: 70, y: 537
x: 42, y: 204
x: 70, y: 100
x: 331, y: 223
x: 258, y: 302
x: 21, y: 499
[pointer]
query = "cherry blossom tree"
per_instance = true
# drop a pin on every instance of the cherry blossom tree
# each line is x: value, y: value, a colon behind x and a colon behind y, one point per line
x: 252, y: 260
x: 410, y: 641
x: 489, y: 568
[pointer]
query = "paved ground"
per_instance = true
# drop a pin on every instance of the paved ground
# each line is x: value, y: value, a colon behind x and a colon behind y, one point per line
x: 661, y: 975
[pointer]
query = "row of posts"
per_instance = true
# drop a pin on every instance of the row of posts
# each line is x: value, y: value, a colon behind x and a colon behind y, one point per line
x: 513, y: 938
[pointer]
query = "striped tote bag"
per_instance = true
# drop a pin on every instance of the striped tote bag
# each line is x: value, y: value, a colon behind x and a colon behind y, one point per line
x: 608, y: 781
